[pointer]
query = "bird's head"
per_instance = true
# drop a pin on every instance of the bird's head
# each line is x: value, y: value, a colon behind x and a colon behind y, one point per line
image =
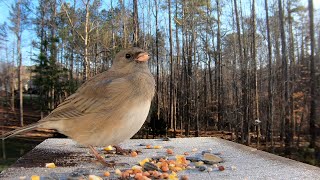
x: 131, y: 57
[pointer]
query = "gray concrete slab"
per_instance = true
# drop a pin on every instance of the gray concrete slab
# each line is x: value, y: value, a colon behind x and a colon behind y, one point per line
x: 240, y: 162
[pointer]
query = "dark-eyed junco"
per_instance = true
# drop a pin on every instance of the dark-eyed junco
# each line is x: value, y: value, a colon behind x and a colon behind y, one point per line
x: 108, y: 108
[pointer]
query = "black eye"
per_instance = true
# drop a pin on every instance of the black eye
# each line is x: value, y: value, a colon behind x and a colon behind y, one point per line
x: 128, y: 56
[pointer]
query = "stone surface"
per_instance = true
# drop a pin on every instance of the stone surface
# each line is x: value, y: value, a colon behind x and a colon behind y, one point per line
x: 239, y: 162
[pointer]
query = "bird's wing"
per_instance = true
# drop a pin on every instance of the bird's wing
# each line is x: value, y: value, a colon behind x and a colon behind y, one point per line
x: 92, y: 97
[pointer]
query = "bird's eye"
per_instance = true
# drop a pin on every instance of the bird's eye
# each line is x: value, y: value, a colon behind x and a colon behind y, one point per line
x: 128, y: 56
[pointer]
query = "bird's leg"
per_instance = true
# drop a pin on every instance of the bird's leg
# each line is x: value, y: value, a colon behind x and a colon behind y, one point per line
x: 99, y: 158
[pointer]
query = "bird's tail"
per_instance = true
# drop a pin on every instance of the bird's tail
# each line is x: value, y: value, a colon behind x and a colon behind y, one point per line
x: 20, y: 130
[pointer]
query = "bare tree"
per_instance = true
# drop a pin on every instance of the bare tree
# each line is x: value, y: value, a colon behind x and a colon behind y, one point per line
x: 313, y: 111
x: 18, y: 17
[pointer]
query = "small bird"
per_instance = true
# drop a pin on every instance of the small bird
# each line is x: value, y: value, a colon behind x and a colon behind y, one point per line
x: 108, y: 108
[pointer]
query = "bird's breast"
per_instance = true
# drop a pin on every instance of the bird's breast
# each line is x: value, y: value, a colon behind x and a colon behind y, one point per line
x: 131, y: 121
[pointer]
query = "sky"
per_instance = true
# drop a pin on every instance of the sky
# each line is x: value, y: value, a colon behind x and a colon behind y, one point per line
x: 27, y: 35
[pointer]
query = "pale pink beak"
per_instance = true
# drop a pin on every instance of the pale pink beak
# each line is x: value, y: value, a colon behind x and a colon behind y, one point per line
x: 142, y: 57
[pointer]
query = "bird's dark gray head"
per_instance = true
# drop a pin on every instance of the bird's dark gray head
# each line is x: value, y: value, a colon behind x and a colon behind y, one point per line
x: 131, y: 57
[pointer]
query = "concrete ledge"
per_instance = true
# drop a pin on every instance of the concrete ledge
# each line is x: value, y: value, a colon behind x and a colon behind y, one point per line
x: 240, y: 162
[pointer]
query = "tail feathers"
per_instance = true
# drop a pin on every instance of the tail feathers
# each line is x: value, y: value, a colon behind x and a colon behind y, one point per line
x: 19, y: 130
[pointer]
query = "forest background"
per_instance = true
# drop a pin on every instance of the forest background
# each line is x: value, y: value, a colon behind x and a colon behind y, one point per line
x: 244, y: 70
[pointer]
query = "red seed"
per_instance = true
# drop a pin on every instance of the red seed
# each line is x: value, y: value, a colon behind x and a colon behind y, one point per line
x: 221, y: 168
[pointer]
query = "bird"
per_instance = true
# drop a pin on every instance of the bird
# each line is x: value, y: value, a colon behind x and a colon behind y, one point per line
x: 108, y: 108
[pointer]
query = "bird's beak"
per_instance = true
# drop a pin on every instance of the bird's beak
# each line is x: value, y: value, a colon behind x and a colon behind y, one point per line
x: 142, y: 57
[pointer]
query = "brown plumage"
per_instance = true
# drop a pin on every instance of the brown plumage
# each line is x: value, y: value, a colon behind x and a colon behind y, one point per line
x: 108, y: 108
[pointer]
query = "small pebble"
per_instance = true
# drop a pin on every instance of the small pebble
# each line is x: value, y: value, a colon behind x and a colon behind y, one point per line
x: 165, y: 139
x: 205, y: 151
x: 215, y: 166
x: 203, y: 168
x: 194, y: 149
x: 233, y: 168
x: 169, y: 147
x: 22, y: 177
x: 193, y: 158
x: 209, y: 169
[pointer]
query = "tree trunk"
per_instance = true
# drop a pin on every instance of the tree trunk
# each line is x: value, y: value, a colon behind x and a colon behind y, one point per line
x: 135, y: 23
x: 86, y: 43
x: 243, y: 77
x: 269, y: 129
x: 313, y: 97
x: 254, y: 59
x: 285, y: 81
x: 18, y: 34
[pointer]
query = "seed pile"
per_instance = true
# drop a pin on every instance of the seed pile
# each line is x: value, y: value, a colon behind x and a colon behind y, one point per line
x: 167, y: 166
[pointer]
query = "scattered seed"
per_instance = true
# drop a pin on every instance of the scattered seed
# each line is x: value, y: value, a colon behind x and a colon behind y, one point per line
x: 134, y: 154
x: 194, y: 149
x: 108, y: 148
x: 199, y: 163
x: 165, y: 175
x: 50, y: 165
x: 94, y: 177
x: 165, y: 168
x: 148, y: 146
x: 157, y: 147
x: 125, y: 175
x: 186, y: 153
x: 169, y: 151
x: 144, y: 161
x: 148, y: 166
x: 106, y: 174
x: 155, y: 174
x: 138, y: 176
x: 146, y: 173
x: 136, y: 167
x: 190, y: 167
x: 118, y: 172
x: 233, y: 168
x: 221, y: 168
x: 184, y: 177
x: 35, y: 177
